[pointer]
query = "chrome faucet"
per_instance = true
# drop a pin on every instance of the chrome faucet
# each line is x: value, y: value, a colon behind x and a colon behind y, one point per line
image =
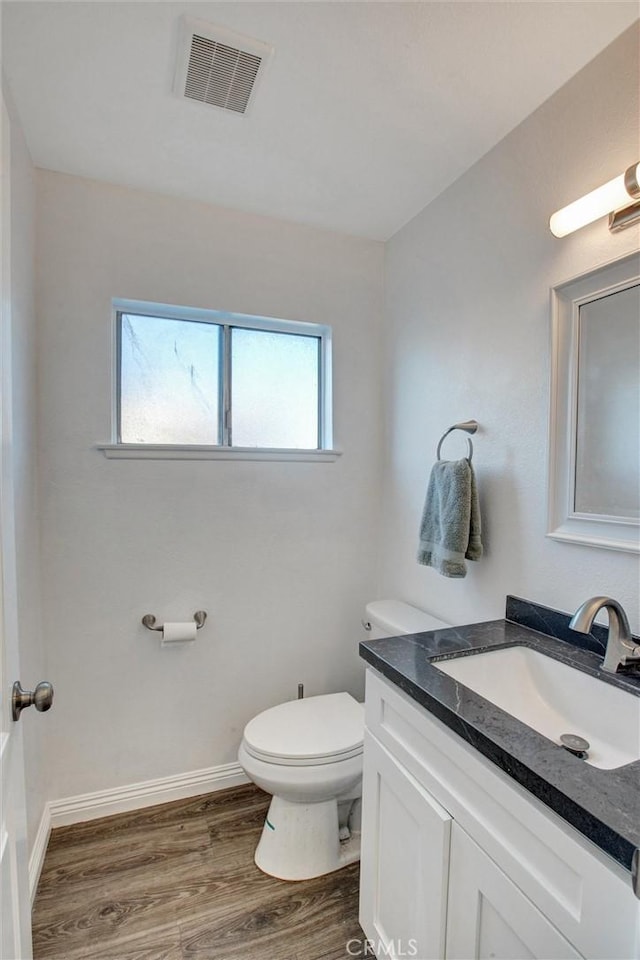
x: 621, y: 649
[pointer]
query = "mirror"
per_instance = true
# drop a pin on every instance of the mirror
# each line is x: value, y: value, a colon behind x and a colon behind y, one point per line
x: 594, y: 437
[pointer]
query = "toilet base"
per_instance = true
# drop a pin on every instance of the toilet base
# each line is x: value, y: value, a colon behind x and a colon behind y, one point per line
x: 300, y: 841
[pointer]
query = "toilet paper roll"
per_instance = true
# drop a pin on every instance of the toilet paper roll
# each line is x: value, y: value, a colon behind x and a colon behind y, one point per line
x: 178, y: 633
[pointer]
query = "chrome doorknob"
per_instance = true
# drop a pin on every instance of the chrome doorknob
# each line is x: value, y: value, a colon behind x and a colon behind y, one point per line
x: 41, y: 698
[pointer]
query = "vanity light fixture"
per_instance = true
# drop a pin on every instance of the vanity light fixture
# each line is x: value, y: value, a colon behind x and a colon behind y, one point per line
x: 620, y: 198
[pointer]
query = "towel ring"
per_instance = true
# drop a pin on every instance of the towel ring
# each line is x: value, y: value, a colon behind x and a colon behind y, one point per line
x: 469, y: 426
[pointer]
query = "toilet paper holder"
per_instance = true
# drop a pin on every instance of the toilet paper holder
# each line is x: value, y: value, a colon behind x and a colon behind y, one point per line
x: 149, y: 620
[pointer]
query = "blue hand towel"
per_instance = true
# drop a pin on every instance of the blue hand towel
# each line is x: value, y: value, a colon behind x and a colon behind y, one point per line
x: 450, y: 528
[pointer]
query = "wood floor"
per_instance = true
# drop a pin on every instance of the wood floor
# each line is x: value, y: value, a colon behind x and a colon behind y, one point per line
x: 178, y: 882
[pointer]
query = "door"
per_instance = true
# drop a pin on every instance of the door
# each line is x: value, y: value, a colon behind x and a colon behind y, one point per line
x: 404, y: 861
x: 15, y: 912
x: 489, y: 916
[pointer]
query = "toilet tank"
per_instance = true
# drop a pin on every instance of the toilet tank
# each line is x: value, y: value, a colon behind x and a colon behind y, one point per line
x: 390, y: 618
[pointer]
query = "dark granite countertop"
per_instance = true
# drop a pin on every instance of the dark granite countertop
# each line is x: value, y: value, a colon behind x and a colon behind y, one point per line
x: 604, y: 805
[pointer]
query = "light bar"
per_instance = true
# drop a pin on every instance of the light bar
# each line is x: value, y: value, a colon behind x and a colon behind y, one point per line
x: 621, y: 192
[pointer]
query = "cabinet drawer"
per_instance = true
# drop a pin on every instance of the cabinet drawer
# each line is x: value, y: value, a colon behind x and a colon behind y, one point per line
x: 589, y: 900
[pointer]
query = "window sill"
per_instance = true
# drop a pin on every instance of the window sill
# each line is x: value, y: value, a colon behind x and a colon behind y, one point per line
x: 170, y: 451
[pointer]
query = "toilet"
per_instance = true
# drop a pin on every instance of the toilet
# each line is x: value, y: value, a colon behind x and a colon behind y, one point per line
x: 308, y: 755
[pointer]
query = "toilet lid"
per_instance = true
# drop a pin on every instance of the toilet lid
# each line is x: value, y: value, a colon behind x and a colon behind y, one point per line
x: 315, y: 728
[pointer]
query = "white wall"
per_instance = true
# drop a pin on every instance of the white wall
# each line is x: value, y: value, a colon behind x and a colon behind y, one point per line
x: 467, y: 335
x: 34, y: 726
x: 281, y: 555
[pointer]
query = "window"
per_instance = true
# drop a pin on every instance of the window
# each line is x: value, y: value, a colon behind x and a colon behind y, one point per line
x: 188, y: 377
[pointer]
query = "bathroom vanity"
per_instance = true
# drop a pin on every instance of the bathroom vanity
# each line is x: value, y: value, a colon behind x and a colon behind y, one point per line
x: 481, y: 837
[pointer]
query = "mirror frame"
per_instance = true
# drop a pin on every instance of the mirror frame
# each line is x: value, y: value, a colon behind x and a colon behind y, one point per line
x: 564, y: 523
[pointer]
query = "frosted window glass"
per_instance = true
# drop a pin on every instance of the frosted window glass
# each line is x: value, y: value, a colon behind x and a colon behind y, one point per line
x: 274, y: 389
x: 169, y: 380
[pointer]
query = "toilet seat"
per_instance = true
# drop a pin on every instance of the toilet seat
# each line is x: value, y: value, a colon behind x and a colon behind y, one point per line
x: 308, y: 732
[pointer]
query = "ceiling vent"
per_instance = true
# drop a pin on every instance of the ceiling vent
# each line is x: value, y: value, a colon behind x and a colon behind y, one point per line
x: 219, y: 67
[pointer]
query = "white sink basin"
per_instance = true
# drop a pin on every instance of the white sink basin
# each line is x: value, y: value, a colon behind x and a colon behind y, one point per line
x: 554, y: 699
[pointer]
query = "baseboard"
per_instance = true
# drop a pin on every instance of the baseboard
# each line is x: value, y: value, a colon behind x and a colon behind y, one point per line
x: 134, y: 796
x: 38, y: 851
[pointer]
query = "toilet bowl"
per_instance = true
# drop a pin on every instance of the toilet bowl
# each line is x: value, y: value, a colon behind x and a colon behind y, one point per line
x: 308, y: 755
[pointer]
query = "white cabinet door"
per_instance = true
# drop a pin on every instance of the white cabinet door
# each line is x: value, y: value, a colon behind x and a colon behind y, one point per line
x: 489, y: 916
x: 404, y: 861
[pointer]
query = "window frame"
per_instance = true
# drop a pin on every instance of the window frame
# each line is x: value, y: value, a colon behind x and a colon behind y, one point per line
x: 227, y: 321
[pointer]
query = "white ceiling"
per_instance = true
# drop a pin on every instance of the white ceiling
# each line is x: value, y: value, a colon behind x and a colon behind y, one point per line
x: 367, y: 112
